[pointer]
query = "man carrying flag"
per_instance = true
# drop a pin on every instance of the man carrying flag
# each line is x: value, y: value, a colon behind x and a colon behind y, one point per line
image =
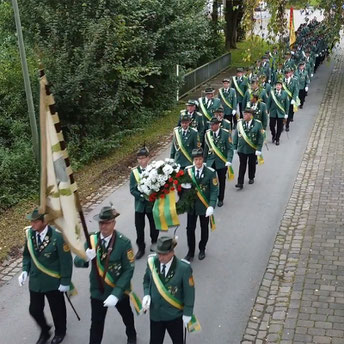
x: 169, y: 293
x: 48, y: 263
x: 115, y: 264
x: 218, y: 153
x: 205, y: 182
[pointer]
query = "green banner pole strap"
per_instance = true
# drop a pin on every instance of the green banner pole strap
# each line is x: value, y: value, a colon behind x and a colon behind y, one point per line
x: 237, y: 87
x: 204, y: 110
x: 224, y: 99
x: 180, y: 144
x: 279, y: 105
x: 202, y: 198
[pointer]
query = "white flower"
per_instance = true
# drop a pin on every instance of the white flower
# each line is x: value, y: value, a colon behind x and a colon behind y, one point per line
x: 167, y: 169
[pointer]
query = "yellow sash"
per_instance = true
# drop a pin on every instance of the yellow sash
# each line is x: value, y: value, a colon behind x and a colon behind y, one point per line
x: 237, y: 87
x: 180, y: 144
x: 224, y: 99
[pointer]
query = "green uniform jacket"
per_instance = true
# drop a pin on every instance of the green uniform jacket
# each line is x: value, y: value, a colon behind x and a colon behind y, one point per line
x: 121, y: 268
x: 224, y: 143
x: 141, y: 204
x: 304, y: 79
x: 273, y: 110
x: 310, y: 65
x: 276, y: 75
x: 54, y: 256
x: 214, y: 104
x: 289, y: 64
x: 293, y: 87
x: 254, y: 133
x: 179, y: 282
x: 266, y: 70
x: 190, y: 142
x: 243, y: 84
x: 231, y: 98
x: 260, y: 113
x: 226, y: 124
x: 209, y: 185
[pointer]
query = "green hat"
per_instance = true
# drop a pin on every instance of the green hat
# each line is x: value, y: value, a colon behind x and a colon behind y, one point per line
x: 214, y: 120
x: 191, y: 102
x: 197, y: 152
x: 240, y: 70
x: 106, y: 214
x: 301, y: 63
x: 249, y: 110
x: 35, y: 215
x: 184, y: 116
x: 226, y: 80
x: 143, y: 151
x: 165, y: 244
x: 209, y: 90
x: 279, y: 81
x: 219, y: 109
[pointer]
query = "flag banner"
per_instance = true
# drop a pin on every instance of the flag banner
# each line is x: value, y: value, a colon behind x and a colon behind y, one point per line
x: 58, y: 191
x: 292, y: 36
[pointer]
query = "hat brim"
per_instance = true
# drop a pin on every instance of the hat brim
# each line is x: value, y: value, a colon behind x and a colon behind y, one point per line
x: 98, y: 219
x: 30, y: 218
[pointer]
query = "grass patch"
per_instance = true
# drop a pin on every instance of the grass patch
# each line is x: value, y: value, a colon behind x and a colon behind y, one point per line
x: 249, y: 51
x: 89, y: 178
x: 298, y: 5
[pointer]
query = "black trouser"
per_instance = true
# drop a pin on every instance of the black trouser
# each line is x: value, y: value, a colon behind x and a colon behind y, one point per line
x: 302, y: 96
x: 173, y: 327
x: 290, y: 115
x: 232, y: 119
x: 190, y: 232
x: 140, y: 229
x: 317, y: 63
x: 98, y: 314
x: 273, y: 121
x: 252, y: 158
x: 240, y: 109
x: 57, y: 307
x: 221, y: 174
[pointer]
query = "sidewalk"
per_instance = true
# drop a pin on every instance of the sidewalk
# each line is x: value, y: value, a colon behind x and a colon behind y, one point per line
x: 301, y: 296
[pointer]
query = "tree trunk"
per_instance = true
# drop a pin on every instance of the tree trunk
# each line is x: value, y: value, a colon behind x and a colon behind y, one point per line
x: 232, y: 18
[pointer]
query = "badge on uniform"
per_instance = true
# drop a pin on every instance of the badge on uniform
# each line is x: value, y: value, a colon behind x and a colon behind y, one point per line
x: 66, y: 248
x: 191, y: 281
x: 215, y: 181
x: 130, y: 255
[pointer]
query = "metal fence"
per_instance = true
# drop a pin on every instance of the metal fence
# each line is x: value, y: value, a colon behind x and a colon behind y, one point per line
x: 204, y: 73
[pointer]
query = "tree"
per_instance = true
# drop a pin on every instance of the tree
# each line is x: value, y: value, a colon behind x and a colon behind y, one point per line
x: 234, y: 12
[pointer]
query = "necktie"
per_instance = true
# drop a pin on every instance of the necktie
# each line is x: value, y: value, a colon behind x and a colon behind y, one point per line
x: 104, y: 243
x: 197, y: 174
x: 163, y: 271
x: 39, y: 241
x: 184, y: 133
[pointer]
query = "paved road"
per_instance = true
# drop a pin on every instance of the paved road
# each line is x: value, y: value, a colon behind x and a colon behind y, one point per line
x: 228, y: 279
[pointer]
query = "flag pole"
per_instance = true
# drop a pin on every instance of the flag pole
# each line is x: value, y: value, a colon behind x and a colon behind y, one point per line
x: 27, y: 85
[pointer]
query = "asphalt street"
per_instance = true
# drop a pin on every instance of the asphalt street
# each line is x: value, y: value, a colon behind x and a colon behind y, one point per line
x: 237, y: 253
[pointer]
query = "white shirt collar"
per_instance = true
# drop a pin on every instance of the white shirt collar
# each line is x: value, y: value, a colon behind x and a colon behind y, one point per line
x: 217, y: 132
x: 107, y: 239
x: 200, y: 170
x: 249, y: 122
x: 43, y: 233
x: 168, y: 265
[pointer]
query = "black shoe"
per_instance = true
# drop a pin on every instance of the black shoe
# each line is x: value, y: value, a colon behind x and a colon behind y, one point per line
x: 251, y: 181
x: 239, y: 186
x: 220, y: 203
x: 139, y: 254
x: 301, y: 106
x: 44, y: 337
x: 57, y: 339
x: 131, y: 340
x: 201, y: 255
x: 189, y: 257
x: 287, y: 129
x: 277, y: 143
x: 291, y: 120
x: 273, y: 139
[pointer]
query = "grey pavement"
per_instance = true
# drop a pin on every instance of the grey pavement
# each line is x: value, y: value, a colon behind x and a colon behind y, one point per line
x: 301, y: 295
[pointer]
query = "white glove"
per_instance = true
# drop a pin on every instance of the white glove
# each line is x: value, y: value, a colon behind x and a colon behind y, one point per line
x: 286, y: 117
x: 233, y: 112
x: 269, y: 81
x: 111, y: 301
x: 306, y: 88
x: 90, y: 253
x: 146, y: 301
x: 312, y: 75
x: 209, y: 212
x: 292, y: 102
x: 63, y: 288
x: 227, y: 164
x: 186, y: 185
x: 258, y: 153
x: 186, y: 320
x: 22, y: 278
x: 292, y: 52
